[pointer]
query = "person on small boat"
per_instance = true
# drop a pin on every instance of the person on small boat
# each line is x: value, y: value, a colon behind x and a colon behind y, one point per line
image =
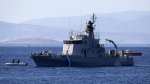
x: 18, y: 61
x: 13, y: 61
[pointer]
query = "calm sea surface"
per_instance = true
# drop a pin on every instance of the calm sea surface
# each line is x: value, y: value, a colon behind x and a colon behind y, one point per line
x: 137, y: 74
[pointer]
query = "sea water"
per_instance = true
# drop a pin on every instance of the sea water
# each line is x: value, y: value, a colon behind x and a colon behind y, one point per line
x: 137, y: 74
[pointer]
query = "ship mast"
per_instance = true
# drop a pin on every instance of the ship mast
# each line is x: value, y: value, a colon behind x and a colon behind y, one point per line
x: 93, y: 18
x: 90, y: 28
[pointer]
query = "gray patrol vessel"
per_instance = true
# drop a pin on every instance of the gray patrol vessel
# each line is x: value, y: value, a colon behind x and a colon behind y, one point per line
x: 83, y: 50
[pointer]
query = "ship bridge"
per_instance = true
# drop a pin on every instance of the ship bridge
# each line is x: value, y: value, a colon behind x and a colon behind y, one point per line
x: 72, y: 41
x: 79, y: 35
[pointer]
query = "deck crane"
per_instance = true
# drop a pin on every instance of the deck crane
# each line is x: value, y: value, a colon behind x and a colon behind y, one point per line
x: 113, y: 44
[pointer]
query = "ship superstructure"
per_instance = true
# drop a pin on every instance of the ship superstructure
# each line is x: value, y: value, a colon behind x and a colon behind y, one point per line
x: 84, y: 43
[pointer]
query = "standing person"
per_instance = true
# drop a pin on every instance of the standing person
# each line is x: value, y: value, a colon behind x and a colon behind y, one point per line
x: 18, y: 61
x: 13, y: 61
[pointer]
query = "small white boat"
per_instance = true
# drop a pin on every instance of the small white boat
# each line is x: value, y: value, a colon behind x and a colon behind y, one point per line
x: 17, y: 64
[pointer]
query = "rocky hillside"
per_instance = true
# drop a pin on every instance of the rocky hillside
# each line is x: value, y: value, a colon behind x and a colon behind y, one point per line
x: 31, y: 41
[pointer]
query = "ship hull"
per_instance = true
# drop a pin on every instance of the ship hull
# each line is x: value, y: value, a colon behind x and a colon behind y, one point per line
x: 79, y: 61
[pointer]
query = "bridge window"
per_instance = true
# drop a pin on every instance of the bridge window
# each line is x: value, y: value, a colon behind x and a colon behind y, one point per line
x: 72, y: 42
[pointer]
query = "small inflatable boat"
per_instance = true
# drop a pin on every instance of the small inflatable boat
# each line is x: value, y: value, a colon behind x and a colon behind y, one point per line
x: 17, y: 64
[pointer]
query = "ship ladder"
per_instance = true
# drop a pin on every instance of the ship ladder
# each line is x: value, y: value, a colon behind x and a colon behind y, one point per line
x: 69, y: 60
